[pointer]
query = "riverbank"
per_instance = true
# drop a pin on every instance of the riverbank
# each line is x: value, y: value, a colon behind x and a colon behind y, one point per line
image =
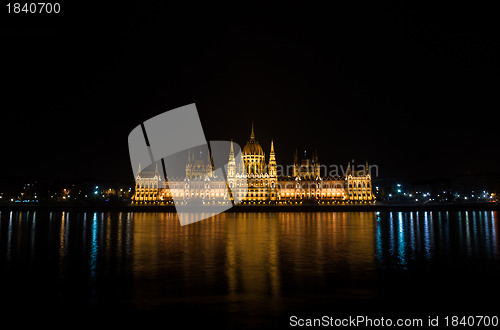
x: 378, y: 207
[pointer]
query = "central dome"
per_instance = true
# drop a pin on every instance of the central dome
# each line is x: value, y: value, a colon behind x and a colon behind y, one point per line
x: 253, y: 147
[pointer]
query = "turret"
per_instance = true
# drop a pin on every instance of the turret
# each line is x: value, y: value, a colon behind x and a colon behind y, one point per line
x: 272, y: 161
x: 272, y: 171
x: 231, y: 165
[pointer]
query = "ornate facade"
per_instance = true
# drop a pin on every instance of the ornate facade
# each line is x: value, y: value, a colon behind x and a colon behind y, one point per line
x: 252, y: 180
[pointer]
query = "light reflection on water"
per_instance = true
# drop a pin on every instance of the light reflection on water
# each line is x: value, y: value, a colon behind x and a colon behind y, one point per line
x: 427, y: 236
x: 252, y: 262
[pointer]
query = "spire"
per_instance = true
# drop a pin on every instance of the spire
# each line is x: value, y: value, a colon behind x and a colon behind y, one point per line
x: 189, y: 155
x: 296, y: 157
x: 252, y: 135
x: 272, y: 156
x: 272, y: 162
x: 156, y: 170
x: 139, y: 170
x: 231, y: 152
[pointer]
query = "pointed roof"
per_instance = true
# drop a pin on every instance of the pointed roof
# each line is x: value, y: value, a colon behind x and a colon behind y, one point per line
x: 231, y: 152
x: 252, y: 147
x: 272, y: 156
x: 252, y: 135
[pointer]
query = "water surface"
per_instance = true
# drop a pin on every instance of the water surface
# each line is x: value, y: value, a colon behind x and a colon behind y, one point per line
x: 247, y: 269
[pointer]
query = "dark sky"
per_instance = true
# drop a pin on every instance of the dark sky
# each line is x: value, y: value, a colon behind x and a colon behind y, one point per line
x: 411, y: 89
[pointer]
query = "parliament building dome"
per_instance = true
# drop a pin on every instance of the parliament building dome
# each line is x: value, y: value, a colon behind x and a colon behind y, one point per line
x: 253, y: 148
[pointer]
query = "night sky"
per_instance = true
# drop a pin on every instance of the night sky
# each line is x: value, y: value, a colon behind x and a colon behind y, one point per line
x: 411, y: 89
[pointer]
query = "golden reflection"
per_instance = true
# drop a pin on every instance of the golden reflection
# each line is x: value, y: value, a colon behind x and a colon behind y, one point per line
x: 145, y: 246
x: 62, y: 234
x: 202, y: 246
x: 162, y: 246
x: 251, y: 253
x: 252, y: 250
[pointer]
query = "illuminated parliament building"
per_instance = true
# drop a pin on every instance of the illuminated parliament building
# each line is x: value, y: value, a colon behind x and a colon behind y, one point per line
x: 251, y: 180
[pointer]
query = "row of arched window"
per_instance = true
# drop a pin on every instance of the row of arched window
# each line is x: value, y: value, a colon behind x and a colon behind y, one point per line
x: 359, y: 185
